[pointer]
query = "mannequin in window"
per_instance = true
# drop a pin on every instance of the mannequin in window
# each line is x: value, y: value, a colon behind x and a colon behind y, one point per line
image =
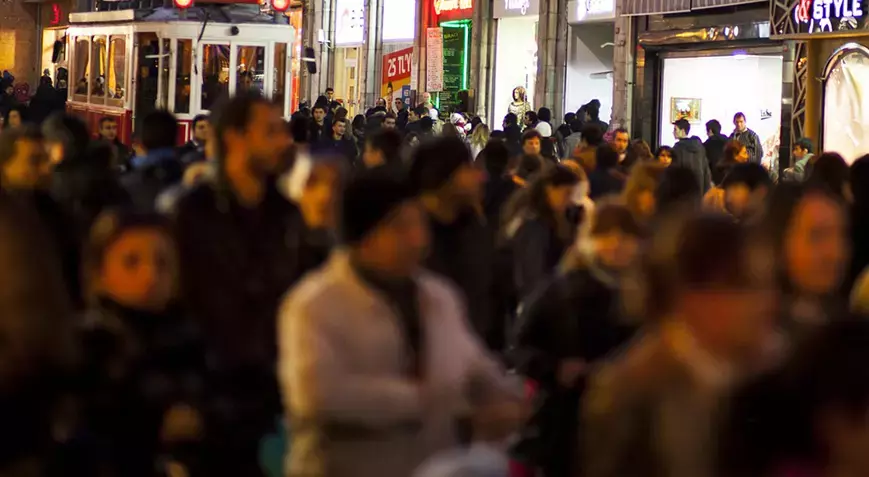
x: 520, y: 104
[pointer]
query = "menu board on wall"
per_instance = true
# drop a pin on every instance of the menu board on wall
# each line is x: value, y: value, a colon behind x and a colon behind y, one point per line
x: 454, y: 68
x: 434, y: 60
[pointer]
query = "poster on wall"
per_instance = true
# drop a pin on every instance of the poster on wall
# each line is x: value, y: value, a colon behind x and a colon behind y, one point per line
x: 349, y: 22
x: 396, y: 75
x: 434, y: 60
x: 685, y: 108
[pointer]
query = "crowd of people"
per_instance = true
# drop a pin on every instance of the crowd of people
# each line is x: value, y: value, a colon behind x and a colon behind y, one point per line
x: 382, y: 299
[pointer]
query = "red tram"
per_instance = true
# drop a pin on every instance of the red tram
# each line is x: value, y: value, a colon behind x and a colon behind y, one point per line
x: 126, y: 63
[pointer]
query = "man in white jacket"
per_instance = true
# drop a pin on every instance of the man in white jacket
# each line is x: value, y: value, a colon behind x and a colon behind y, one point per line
x: 376, y: 357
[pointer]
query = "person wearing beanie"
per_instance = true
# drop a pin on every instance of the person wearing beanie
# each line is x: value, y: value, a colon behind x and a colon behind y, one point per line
x: 450, y: 188
x: 375, y: 355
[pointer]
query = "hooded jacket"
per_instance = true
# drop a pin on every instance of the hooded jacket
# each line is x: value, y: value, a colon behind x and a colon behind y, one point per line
x: 689, y: 153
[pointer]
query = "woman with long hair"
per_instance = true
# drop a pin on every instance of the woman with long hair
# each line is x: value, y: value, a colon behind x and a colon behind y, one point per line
x: 639, y: 193
x: 537, y: 228
x: 479, y: 139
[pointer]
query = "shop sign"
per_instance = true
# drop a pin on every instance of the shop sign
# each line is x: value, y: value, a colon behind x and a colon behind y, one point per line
x: 817, y: 16
x: 399, y: 20
x: 516, y: 8
x: 349, y: 22
x: 434, y: 60
x: 447, y: 6
x: 584, y: 11
x: 397, y: 68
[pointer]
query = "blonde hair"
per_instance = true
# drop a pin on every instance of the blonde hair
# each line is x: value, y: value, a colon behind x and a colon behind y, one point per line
x: 480, y: 136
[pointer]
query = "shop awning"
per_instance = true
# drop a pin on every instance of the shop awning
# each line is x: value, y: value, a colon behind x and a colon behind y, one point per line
x: 658, y: 7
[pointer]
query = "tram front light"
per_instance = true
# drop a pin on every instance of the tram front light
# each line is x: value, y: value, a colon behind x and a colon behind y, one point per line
x: 280, y: 5
x: 183, y: 4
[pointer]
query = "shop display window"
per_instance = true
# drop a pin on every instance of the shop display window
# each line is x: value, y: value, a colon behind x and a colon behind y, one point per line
x: 117, y: 71
x: 846, y: 105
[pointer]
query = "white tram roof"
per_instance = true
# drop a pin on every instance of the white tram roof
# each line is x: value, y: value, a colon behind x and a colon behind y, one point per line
x: 251, y: 22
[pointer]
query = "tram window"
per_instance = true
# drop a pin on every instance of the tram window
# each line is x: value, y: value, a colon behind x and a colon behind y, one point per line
x: 117, y: 77
x: 279, y: 82
x: 215, y: 74
x: 251, y: 68
x: 82, y: 57
x: 98, y: 70
x: 183, y: 71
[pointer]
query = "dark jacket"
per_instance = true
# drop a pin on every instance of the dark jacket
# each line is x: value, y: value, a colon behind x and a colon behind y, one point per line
x: 464, y: 252
x: 151, y: 175
x: 137, y: 366
x: 233, y: 287
x: 319, y: 133
x: 343, y: 147
x: 85, y: 186
x: 603, y: 182
x: 574, y: 316
x: 689, y: 153
x: 401, y: 119
x: 536, y: 251
x: 191, y: 152
x: 714, y: 147
x: 61, y: 229
x: 752, y: 143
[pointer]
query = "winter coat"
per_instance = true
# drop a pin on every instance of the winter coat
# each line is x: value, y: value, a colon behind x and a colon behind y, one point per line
x: 536, y: 250
x: 345, y: 148
x: 464, y: 252
x: 571, y: 143
x: 86, y: 186
x: 137, y: 366
x: 605, y: 182
x: 233, y: 287
x: 689, y: 153
x: 752, y: 143
x: 151, y: 175
x: 575, y: 316
x: 61, y: 230
x: 354, y: 409
x: 714, y: 147
x: 650, y: 412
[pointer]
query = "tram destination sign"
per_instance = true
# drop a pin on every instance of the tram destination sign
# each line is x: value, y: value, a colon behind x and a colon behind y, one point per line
x: 830, y: 16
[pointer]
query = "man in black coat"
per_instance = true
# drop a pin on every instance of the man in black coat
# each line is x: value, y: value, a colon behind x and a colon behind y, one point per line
x: 160, y: 167
x: 338, y: 144
x: 462, y: 248
x: 235, y: 237
x: 714, y: 144
x: 689, y: 153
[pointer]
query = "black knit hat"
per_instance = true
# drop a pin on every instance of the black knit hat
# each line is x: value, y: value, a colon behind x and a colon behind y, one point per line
x: 368, y: 200
x: 435, y: 162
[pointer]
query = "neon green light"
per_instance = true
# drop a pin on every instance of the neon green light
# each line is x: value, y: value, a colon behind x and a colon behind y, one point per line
x: 467, y: 28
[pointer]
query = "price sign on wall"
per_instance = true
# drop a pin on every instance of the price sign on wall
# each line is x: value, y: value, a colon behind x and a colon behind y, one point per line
x: 434, y: 60
x: 396, y: 73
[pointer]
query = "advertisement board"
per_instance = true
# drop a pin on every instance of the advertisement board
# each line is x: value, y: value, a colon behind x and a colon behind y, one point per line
x: 399, y: 20
x: 395, y: 81
x: 349, y: 22
x: 434, y: 60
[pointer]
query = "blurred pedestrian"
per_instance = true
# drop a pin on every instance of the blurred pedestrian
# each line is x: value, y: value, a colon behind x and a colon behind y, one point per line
x: 83, y: 180
x: 462, y: 249
x: 664, y: 155
x: 388, y: 401
x: 639, y: 193
x: 659, y: 403
x: 160, y: 167
x: 690, y: 154
x: 194, y: 149
x: 383, y: 149
x: 109, y: 134
x: 830, y: 171
x: 570, y: 323
x: 714, y: 145
x: 144, y: 363
x: 606, y: 179
x: 537, y: 228
x: 232, y: 286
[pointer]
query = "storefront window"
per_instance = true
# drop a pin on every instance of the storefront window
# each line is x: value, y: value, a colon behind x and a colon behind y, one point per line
x: 117, y: 77
x: 215, y: 74
x: 98, y: 70
x: 251, y: 68
x: 279, y: 82
x: 846, y: 106
x: 719, y: 97
x: 183, y: 70
x: 82, y: 63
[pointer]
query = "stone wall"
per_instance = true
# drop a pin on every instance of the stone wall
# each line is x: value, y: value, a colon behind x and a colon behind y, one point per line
x: 19, y: 40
